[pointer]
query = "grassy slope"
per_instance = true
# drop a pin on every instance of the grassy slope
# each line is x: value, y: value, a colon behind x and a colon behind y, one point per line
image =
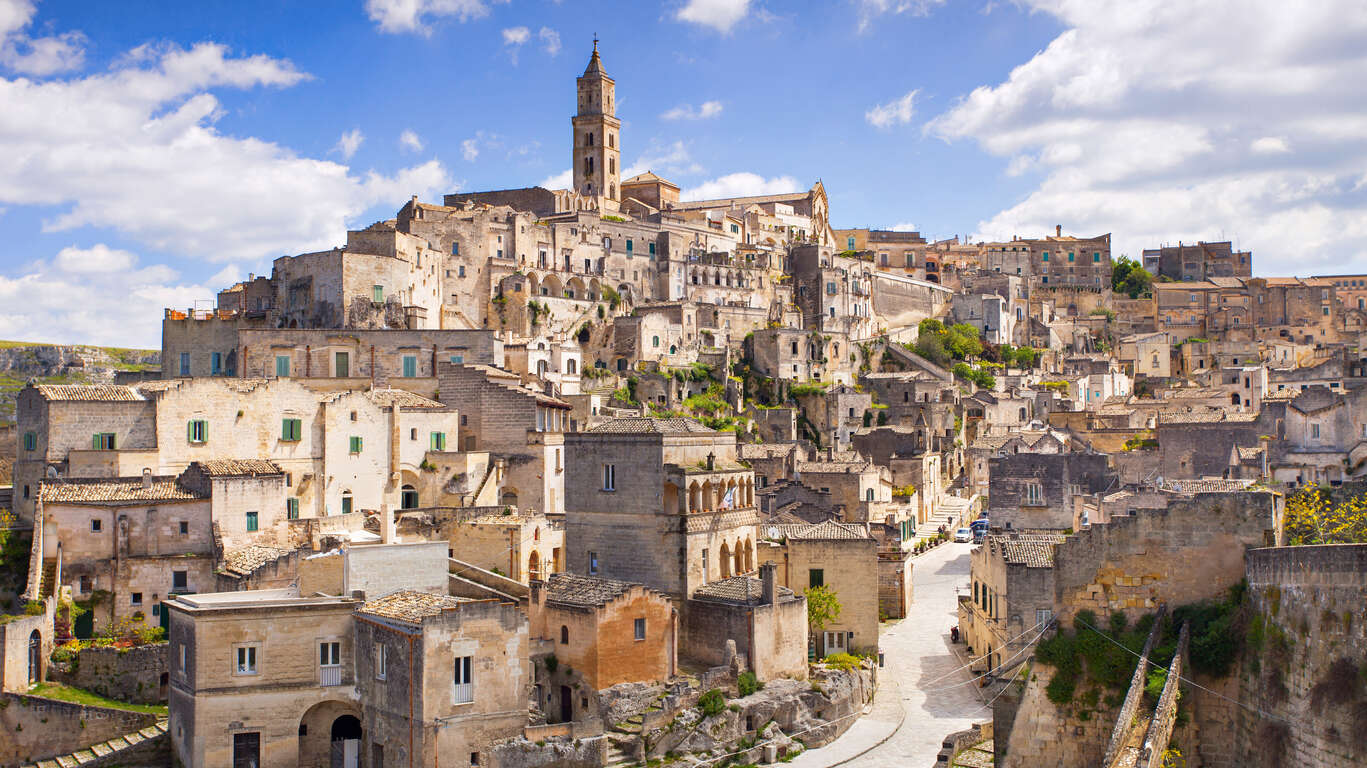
x: 79, y: 696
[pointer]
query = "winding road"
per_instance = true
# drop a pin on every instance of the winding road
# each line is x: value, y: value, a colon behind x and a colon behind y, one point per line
x: 920, y: 697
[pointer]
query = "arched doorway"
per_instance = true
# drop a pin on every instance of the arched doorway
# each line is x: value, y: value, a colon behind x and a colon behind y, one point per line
x: 408, y: 498
x: 346, y: 742
x: 324, y: 730
x: 509, y: 498
x: 534, y: 566
x: 35, y: 657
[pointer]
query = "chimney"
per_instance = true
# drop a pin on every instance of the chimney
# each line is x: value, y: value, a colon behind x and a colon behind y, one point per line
x: 146, y: 479
x: 388, y: 530
x: 1058, y: 230
x: 769, y: 588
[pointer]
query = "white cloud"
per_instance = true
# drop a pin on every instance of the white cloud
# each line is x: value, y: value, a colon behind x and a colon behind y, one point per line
x: 720, y: 15
x: 95, y: 295
x: 741, y: 184
x: 1235, y: 117
x: 550, y: 40
x: 1269, y: 145
x: 561, y: 180
x: 705, y: 111
x: 469, y: 149
x: 408, y: 140
x: 97, y: 259
x: 37, y: 56
x: 516, y: 35
x: 868, y: 10
x: 899, y: 111
x: 135, y: 150
x: 417, y: 15
x: 349, y: 143
x: 671, y: 159
x: 904, y: 226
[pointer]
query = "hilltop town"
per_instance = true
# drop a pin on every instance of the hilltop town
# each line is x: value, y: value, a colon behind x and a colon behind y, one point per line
x: 601, y: 476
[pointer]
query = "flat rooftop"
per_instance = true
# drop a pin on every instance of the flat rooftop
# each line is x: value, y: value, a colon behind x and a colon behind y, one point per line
x: 255, y: 598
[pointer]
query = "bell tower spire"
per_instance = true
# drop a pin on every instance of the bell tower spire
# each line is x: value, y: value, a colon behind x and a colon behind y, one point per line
x: 597, y: 150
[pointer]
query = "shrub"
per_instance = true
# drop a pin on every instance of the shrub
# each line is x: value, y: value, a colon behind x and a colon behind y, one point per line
x: 747, y: 683
x: 712, y: 702
x: 841, y: 661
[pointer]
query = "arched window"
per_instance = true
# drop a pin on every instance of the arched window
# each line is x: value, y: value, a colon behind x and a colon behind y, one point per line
x: 612, y: 190
x: 588, y: 166
x: 612, y: 165
x: 590, y: 138
x: 868, y: 494
x: 408, y: 499
x: 564, y: 635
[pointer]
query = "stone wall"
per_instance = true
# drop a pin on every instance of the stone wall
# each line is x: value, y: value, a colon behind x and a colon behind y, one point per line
x: 1305, y: 666
x: 34, y: 728
x: 134, y: 675
x: 1043, y: 734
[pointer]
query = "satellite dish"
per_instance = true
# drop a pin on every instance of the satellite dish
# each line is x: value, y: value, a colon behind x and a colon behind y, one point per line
x: 773, y: 532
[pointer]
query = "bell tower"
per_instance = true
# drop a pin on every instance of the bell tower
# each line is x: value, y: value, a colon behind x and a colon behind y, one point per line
x: 597, y: 134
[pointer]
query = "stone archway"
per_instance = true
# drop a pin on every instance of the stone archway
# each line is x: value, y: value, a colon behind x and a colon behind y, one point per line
x: 321, y: 725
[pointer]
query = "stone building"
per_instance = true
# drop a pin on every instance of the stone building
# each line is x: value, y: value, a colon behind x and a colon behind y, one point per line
x: 843, y: 558
x: 765, y: 623
x: 270, y: 678
x: 1040, y: 490
x: 1188, y: 262
x: 350, y: 436
x: 1012, y: 598
x: 605, y: 631
x: 660, y: 502
x: 522, y: 546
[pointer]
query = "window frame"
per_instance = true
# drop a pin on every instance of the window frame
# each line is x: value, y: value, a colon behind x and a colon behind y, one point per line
x: 463, y: 680
x: 197, y: 431
x: 638, y: 629
x: 291, y: 430
x: 246, y: 659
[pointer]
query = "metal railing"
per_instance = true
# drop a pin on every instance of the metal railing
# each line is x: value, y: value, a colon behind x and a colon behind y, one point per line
x: 330, y: 674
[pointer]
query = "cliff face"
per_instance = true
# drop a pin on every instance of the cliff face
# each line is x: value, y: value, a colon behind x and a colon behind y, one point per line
x: 64, y: 364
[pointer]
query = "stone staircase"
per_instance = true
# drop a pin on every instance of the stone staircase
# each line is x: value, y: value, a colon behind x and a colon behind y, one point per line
x: 49, y: 578
x: 108, y: 753
x: 623, y: 739
x: 952, y: 514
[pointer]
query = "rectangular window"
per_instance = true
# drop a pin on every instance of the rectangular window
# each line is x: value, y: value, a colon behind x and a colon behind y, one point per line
x: 1045, y: 256
x: 30, y: 441
x: 180, y: 581
x: 198, y: 431
x: 438, y: 441
x: 1096, y: 257
x: 652, y: 249
x: 341, y: 365
x: 184, y: 363
x: 330, y: 653
x: 291, y: 509
x: 246, y: 660
x: 629, y: 248
x: 184, y: 527
x: 377, y: 294
x: 1315, y: 431
x: 455, y: 248
x: 136, y: 598
x: 251, y: 522
x: 346, y: 503
x: 465, y: 681
x: 1033, y: 495
x: 216, y: 363
x: 457, y: 359
x: 1043, y: 616
x: 460, y: 272
x: 291, y: 429
x: 816, y: 577
x: 182, y: 656
x: 380, y: 670
x: 1070, y: 256
x: 410, y: 366
x: 96, y: 525
x: 593, y: 563
x: 609, y: 477
x: 103, y: 441
x: 639, y: 626
x: 355, y: 444
x: 282, y: 366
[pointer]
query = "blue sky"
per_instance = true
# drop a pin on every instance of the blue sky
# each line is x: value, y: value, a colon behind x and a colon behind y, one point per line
x: 159, y: 151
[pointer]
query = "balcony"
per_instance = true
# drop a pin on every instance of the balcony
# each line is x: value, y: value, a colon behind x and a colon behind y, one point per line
x: 330, y: 674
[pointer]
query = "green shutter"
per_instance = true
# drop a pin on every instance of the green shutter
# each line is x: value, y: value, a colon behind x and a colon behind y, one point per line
x: 95, y: 442
x: 292, y: 509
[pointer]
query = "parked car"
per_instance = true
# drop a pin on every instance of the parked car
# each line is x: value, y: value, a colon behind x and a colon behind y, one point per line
x: 963, y: 536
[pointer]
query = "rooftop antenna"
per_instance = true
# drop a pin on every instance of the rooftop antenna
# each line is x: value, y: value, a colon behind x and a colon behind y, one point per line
x: 595, y: 42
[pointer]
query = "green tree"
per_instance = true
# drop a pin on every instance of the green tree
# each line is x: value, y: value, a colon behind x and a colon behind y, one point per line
x: 932, y: 347
x: 823, y: 607
x: 1130, y: 278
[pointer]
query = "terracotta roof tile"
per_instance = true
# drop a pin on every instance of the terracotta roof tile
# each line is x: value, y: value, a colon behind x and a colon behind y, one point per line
x: 1206, y: 485
x: 92, y: 392
x: 830, y: 530
x: 649, y: 425
x: 245, y: 560
x: 410, y: 606
x: 745, y: 590
x: 118, y: 490
x: 584, y: 591
x: 388, y: 398
x: 239, y: 467
x: 1033, y: 550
